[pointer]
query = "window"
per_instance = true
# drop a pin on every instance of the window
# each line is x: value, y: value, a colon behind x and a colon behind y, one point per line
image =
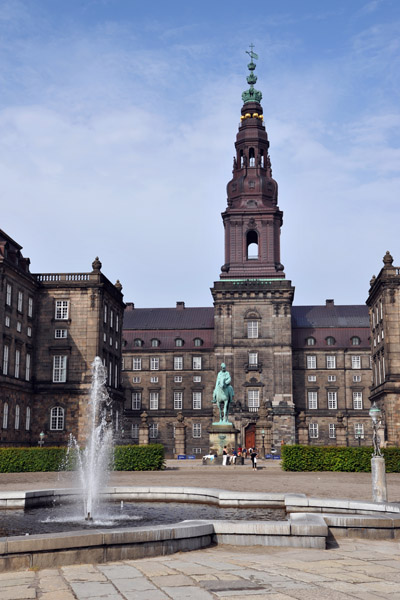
x: 116, y: 375
x: 105, y: 313
x: 153, y: 400
x: 355, y: 340
x: 5, y: 415
x: 6, y: 351
x: 359, y: 430
x: 135, y: 379
x: 57, y: 418
x: 153, y: 431
x: 311, y: 362
x: 196, y: 378
x: 331, y: 362
x: 153, y: 379
x: 312, y: 400
x: 198, y: 342
x: 332, y: 430
x: 179, y: 342
x: 252, y: 160
x: 135, y: 431
x: 330, y: 341
x: 28, y: 418
x: 20, y: 301
x: 116, y: 418
x: 178, y: 400
x: 196, y: 363
x: 59, y: 369
x: 19, y: 326
x: 196, y: 400
x: 357, y: 400
x: 29, y: 332
x: 116, y: 323
x: 137, y: 364
x: 332, y: 400
x: 136, y: 400
x: 252, y: 245
x: 17, y: 415
x: 253, y: 400
x: 196, y: 430
x: 8, y: 294
x: 155, y: 343
x: 253, y: 359
x: 111, y: 341
x: 178, y: 363
x: 62, y: 309
x: 356, y: 362
x: 252, y: 329
x: 178, y: 379
x: 312, y: 378
x: 28, y: 367
x: 17, y: 363
x: 196, y: 451
x: 331, y: 378
x: 105, y: 337
x: 313, y: 431
x: 61, y: 334
x: 111, y: 319
x: 154, y: 363
x: 7, y: 321
x: 356, y: 378
x: 137, y: 342
x: 110, y: 373
x: 310, y: 341
x: 30, y: 307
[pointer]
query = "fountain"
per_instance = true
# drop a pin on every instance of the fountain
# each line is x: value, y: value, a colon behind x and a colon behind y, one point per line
x: 94, y: 460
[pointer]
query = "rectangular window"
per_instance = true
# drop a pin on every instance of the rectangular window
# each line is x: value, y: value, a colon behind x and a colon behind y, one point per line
x: 197, y: 379
x: 105, y: 313
x: 312, y: 400
x: 30, y: 307
x: 331, y: 362
x: 110, y: 373
x: 20, y: 301
x: 332, y: 431
x: 196, y: 430
x: 8, y: 294
x: 136, y: 380
x: 153, y: 431
x: 28, y: 367
x: 111, y: 319
x: 356, y: 378
x: 62, y: 309
x: 252, y: 329
x: 105, y: 337
x: 135, y: 431
x: 253, y: 359
x: 357, y: 400
x: 197, y: 400
x: 28, y: 419
x: 178, y: 379
x: 196, y: 363
x: 196, y: 451
x: 59, y: 369
x: 29, y: 332
x: 136, y: 400
x: 154, y: 364
x: 137, y: 364
x: 116, y: 323
x: 332, y: 400
x: 311, y: 362
x: 153, y: 400
x: 61, y: 334
x: 253, y: 400
x: 313, y: 431
x: 178, y: 400
x: 110, y: 341
x: 331, y: 378
x: 6, y: 352
x: 359, y: 430
x: 17, y: 415
x: 178, y: 363
x: 356, y: 362
x: 153, y: 379
x: 19, y: 326
x: 7, y: 321
x: 312, y: 378
x: 5, y: 415
x: 17, y: 363
x: 116, y: 375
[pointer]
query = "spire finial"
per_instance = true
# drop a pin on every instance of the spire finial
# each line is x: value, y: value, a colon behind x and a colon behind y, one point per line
x: 251, y: 95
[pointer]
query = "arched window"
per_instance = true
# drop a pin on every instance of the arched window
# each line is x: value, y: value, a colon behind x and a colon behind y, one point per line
x: 330, y: 340
x: 28, y: 418
x: 5, y: 415
x: 262, y: 160
x: 57, y: 418
x: 355, y: 341
x: 310, y: 341
x: 198, y: 342
x: 137, y: 342
x: 241, y: 159
x: 252, y: 245
x: 179, y: 342
x: 155, y: 342
x: 17, y: 414
x: 252, y: 158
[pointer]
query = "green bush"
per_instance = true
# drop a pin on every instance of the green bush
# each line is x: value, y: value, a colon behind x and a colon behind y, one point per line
x: 126, y: 458
x: 334, y: 458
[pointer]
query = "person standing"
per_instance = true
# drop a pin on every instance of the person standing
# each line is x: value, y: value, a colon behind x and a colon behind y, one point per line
x: 253, y: 457
x: 224, y: 456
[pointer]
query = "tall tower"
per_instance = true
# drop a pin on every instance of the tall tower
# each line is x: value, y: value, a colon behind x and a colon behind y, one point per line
x: 252, y: 298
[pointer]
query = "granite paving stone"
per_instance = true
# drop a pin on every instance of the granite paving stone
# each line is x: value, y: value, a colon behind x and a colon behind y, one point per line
x: 22, y: 592
x: 130, y: 585
x: 187, y: 593
x: 95, y: 589
x: 146, y: 595
x: 119, y: 571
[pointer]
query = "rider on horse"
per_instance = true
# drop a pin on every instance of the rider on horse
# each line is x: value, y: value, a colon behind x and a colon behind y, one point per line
x: 223, y: 393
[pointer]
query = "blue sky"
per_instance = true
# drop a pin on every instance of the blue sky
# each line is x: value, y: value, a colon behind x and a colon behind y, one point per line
x: 117, y: 127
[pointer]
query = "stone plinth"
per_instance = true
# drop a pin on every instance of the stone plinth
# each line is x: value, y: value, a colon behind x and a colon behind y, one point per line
x: 378, y: 471
x: 223, y: 435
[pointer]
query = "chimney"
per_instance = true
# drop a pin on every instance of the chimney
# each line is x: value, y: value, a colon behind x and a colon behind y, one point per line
x: 180, y: 305
x: 130, y: 306
x: 330, y: 302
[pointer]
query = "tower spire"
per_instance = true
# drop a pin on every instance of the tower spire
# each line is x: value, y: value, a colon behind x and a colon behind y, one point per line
x: 251, y: 95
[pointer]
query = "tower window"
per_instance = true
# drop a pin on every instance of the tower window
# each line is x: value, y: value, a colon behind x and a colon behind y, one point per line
x: 252, y: 245
x: 252, y: 159
x: 262, y: 160
x: 241, y: 159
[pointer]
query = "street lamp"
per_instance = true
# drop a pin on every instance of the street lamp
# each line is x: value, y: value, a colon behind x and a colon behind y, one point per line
x: 41, y: 439
x: 263, y: 446
x: 378, y: 469
x: 376, y: 415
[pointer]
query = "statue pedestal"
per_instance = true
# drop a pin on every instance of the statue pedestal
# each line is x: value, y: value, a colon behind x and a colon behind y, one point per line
x: 223, y: 434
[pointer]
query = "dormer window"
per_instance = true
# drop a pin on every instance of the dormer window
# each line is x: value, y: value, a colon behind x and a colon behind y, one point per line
x: 310, y: 341
x: 179, y: 342
x: 155, y: 343
x: 330, y: 340
x: 137, y: 342
x: 355, y: 340
x: 198, y: 342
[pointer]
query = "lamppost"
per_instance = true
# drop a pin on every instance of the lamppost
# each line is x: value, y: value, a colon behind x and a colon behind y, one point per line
x: 379, y: 488
x: 41, y: 439
x: 263, y: 446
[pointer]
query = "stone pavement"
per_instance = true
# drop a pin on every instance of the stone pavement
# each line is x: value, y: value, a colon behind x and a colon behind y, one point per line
x: 357, y: 569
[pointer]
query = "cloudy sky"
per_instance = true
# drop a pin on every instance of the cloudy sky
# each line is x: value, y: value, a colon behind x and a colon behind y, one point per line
x: 117, y: 127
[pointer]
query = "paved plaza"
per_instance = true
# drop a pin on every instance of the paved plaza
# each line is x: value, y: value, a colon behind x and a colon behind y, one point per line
x: 367, y: 569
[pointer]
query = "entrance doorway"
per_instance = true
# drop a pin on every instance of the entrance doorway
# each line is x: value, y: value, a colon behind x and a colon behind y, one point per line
x: 250, y: 436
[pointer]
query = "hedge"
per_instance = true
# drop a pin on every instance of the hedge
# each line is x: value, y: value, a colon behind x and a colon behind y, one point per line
x: 126, y: 458
x: 333, y: 458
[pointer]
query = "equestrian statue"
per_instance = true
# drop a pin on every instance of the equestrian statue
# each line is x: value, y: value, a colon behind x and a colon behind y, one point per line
x: 223, y: 394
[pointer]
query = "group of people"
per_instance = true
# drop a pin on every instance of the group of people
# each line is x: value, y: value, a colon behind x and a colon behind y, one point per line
x: 229, y: 457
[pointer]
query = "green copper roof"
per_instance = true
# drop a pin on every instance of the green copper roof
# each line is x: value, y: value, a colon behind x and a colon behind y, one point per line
x: 251, y: 95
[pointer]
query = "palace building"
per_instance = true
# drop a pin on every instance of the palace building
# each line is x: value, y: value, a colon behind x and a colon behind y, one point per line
x: 301, y: 374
